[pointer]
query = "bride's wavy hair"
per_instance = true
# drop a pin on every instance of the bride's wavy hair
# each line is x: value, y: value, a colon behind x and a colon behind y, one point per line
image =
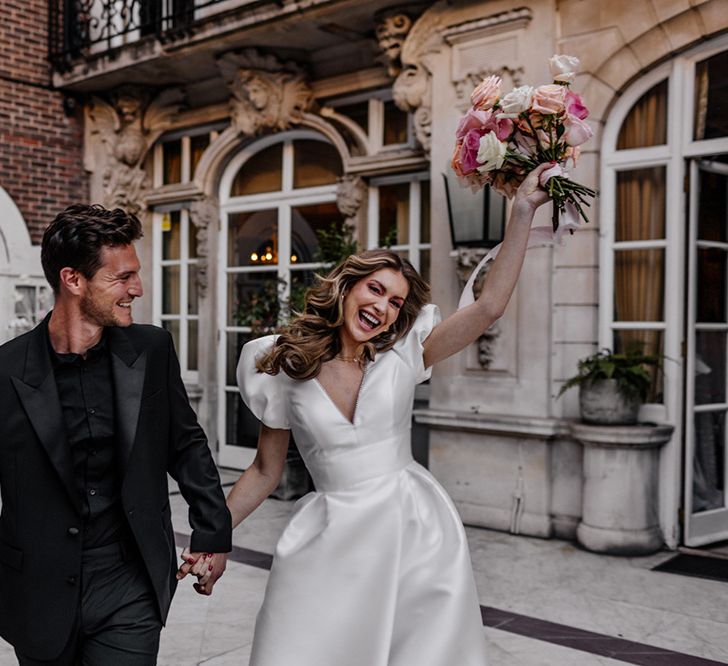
x: 312, y: 337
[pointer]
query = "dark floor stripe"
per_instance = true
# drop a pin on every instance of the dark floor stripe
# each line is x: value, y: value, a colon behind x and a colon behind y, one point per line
x: 588, y: 641
x: 550, y: 632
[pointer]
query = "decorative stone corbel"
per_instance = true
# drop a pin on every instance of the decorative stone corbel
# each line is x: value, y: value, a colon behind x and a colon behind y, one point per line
x: 128, y: 124
x: 475, y: 37
x: 203, y: 214
x: 267, y: 95
x: 412, y: 90
x: 465, y: 85
x: 391, y: 26
x: 466, y: 259
x: 351, y: 192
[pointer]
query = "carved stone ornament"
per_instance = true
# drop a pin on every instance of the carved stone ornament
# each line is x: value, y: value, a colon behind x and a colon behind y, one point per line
x: 412, y: 90
x: 466, y: 260
x: 204, y: 213
x: 351, y: 191
x: 391, y: 27
x: 267, y: 95
x: 464, y: 86
x: 128, y: 124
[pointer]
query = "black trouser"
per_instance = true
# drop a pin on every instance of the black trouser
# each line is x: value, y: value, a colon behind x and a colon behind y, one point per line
x: 117, y: 621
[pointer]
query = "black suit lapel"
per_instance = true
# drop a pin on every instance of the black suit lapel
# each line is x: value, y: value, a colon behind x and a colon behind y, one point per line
x: 39, y: 396
x: 128, y: 367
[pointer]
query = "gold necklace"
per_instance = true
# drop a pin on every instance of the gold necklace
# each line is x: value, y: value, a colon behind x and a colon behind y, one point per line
x: 353, y: 359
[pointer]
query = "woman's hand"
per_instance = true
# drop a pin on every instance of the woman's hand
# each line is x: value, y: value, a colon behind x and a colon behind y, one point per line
x: 530, y: 195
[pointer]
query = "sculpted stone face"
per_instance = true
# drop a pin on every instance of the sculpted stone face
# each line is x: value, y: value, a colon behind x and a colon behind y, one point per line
x: 391, y: 31
x: 265, y: 100
x: 258, y: 92
x: 129, y: 109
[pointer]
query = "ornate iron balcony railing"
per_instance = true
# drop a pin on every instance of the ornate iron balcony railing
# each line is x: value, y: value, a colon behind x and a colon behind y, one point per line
x: 80, y: 29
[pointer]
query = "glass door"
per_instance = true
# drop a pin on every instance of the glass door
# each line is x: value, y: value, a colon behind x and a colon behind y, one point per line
x: 275, y: 202
x: 706, y: 509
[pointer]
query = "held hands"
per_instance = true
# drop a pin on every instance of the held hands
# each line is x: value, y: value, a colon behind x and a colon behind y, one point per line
x: 208, y: 567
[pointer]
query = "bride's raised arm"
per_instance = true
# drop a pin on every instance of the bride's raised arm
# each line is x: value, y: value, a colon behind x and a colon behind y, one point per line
x: 466, y: 325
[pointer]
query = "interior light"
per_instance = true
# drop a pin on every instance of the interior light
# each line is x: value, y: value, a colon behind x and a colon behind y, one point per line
x: 254, y: 256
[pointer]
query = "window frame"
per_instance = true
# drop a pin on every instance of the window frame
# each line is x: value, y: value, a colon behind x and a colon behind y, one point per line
x: 375, y: 130
x: 673, y: 155
x: 185, y: 136
x: 184, y: 262
x: 415, y: 247
x: 283, y: 201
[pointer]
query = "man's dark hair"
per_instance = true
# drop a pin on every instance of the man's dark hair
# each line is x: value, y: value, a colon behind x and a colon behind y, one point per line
x: 75, y: 237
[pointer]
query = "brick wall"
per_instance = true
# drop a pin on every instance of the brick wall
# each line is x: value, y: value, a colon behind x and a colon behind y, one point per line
x: 41, y: 163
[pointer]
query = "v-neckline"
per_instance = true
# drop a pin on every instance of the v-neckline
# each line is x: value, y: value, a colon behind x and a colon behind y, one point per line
x: 332, y: 402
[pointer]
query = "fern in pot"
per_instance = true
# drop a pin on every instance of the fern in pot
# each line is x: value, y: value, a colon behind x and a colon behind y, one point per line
x: 612, y: 386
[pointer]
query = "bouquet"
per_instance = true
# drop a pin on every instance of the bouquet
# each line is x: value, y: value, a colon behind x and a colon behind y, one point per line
x: 502, y: 138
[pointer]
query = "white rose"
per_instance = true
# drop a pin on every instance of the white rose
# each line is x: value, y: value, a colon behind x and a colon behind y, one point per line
x: 564, y: 68
x: 515, y: 102
x: 491, y: 153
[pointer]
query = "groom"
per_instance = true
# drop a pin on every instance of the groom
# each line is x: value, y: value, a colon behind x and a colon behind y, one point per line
x: 93, y: 415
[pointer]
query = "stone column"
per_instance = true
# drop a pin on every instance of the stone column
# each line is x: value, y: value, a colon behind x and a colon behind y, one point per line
x: 620, y: 503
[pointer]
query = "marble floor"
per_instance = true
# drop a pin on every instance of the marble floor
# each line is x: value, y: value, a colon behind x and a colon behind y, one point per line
x: 546, y: 603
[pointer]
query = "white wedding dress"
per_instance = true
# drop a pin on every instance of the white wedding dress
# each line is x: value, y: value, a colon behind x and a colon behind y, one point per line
x: 373, y: 568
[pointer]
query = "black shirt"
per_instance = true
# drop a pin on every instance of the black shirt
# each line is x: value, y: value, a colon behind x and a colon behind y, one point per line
x: 86, y: 392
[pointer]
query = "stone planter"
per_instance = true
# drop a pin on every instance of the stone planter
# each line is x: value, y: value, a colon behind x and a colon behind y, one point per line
x: 601, y: 403
x: 500, y: 473
x: 620, y: 502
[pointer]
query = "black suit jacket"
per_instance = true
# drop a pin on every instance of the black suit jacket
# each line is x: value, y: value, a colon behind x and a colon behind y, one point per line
x: 157, y: 432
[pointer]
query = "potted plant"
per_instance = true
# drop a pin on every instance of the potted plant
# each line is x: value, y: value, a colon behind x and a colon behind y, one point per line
x: 612, y: 386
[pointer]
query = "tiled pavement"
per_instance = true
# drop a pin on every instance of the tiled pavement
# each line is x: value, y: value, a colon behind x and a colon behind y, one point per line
x: 545, y: 603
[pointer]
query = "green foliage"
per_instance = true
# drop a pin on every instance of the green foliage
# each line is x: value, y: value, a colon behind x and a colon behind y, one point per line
x: 260, y: 309
x: 629, y: 369
x: 389, y: 239
x: 264, y: 311
x: 335, y: 243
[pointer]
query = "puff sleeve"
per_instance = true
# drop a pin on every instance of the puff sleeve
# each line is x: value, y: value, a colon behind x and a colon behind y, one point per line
x: 410, y: 349
x: 265, y: 395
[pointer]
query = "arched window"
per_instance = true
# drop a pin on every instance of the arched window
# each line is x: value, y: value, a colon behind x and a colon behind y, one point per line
x: 664, y: 268
x: 276, y: 197
x: 25, y: 297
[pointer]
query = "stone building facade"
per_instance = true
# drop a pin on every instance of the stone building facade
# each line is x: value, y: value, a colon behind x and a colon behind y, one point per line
x: 238, y: 130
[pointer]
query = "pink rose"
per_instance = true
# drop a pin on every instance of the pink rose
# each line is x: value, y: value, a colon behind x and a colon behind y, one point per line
x: 486, y: 94
x: 469, y: 151
x: 575, y: 106
x: 473, y: 119
x: 503, y: 128
x: 572, y: 153
x: 505, y: 185
x: 525, y: 144
x: 576, y: 131
x: 477, y: 181
x: 549, y: 99
x: 544, y: 139
x: 455, y: 163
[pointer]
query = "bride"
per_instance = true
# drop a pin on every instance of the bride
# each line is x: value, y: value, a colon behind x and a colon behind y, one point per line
x: 373, y: 568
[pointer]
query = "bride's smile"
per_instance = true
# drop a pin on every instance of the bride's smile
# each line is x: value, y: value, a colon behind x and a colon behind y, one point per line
x: 371, y: 306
